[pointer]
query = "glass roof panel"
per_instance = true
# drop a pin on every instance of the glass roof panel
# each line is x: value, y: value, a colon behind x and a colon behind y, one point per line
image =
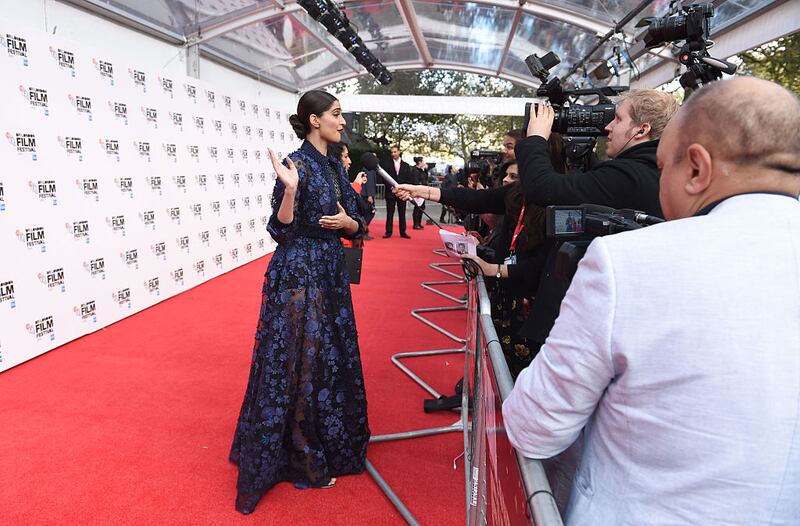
x: 464, y: 32
x: 539, y: 35
x: 178, y: 15
x: 383, y: 30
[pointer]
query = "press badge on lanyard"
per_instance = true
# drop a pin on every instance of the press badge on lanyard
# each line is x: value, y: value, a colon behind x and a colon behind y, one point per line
x: 512, y: 257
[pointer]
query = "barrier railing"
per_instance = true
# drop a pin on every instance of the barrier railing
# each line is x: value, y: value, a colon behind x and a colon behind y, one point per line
x: 500, y: 494
x: 502, y: 487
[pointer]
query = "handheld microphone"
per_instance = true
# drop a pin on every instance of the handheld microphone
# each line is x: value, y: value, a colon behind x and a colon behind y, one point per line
x: 370, y: 162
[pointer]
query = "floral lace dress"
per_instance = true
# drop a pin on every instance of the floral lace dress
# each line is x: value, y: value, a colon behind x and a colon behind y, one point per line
x: 304, y: 415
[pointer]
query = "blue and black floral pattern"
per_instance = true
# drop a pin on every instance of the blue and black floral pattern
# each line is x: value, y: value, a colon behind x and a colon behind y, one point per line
x: 304, y: 415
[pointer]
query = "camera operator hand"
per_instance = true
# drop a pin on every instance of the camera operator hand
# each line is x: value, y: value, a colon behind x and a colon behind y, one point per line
x: 406, y: 192
x: 541, y: 123
x: 488, y: 269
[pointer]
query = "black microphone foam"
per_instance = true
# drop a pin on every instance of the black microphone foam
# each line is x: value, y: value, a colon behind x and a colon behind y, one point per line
x: 369, y: 160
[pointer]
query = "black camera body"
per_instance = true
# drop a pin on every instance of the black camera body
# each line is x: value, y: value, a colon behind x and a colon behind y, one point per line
x: 574, y: 120
x: 693, y: 27
x: 574, y: 228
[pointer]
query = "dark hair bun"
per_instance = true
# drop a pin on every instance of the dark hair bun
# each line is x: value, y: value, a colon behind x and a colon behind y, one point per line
x: 298, y: 126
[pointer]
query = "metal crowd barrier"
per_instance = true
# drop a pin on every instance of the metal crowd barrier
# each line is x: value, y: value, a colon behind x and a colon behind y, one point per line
x: 502, y: 487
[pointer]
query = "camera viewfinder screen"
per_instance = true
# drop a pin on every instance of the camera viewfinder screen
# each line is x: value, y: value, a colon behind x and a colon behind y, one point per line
x: 568, y: 221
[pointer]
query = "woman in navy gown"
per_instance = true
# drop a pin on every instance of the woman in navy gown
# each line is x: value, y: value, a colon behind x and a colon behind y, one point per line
x: 304, y: 415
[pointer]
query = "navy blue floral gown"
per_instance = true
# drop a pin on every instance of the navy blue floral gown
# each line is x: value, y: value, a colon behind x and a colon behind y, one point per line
x: 304, y: 415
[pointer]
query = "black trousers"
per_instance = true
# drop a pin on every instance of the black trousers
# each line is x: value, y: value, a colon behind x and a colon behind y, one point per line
x: 401, y: 215
x: 416, y: 215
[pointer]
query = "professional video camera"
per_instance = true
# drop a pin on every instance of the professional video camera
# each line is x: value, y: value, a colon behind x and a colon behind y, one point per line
x: 574, y: 227
x: 692, y: 27
x: 575, y: 120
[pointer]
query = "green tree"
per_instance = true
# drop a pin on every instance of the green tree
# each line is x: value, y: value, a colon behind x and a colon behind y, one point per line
x: 436, y: 134
x: 778, y: 61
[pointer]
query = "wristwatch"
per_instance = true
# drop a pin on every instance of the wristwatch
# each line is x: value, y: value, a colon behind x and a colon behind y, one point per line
x: 498, y: 272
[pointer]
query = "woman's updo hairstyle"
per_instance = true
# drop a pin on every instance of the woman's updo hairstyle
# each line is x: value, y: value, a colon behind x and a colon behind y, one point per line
x: 314, y: 102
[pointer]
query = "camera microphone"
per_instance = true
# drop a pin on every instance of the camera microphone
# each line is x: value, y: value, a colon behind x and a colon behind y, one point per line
x: 370, y: 162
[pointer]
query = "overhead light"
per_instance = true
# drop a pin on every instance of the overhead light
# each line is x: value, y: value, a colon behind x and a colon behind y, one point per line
x: 335, y: 21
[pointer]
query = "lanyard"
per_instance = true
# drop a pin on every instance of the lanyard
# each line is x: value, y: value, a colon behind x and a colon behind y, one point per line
x: 518, y: 229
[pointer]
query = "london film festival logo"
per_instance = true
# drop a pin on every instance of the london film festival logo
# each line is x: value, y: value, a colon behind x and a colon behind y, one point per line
x: 86, y: 311
x: 254, y: 108
x: 96, y: 267
x: 177, y: 276
x: 152, y: 286
x: 251, y: 224
x: 222, y: 232
x: 25, y: 143
x: 7, y: 294
x: 125, y: 185
x: 246, y: 202
x: 202, y: 181
x: 234, y: 129
x: 211, y: 97
x: 262, y: 177
x: 260, y: 133
x: 266, y: 112
x: 235, y: 178
x: 229, y: 154
x: 122, y: 297
x: 227, y: 100
x: 199, y: 124
x: 191, y: 92
x: 89, y: 187
x: 36, y: 97
x: 45, y: 190
x: 150, y: 115
x: 17, y: 46
x: 148, y: 218
x: 104, y: 69
x: 199, y: 267
x: 166, y: 86
x: 159, y: 250
x: 172, y: 151
x: 33, y: 237
x: 72, y: 146
x: 218, y: 260
x: 183, y: 243
x: 213, y: 152
x: 237, y: 227
x: 249, y: 177
x: 259, y: 201
x: 64, y: 58
x: 120, y: 110
x: 218, y: 126
x: 257, y: 154
x: 42, y: 328
x: 204, y: 238
x: 232, y: 204
x: 117, y: 224
x: 242, y: 106
x: 82, y: 105
x: 111, y: 147
x: 2, y: 197
x: 143, y: 149
x: 53, y: 279
x: 244, y: 154
x: 248, y: 131
x: 220, y: 178
x: 248, y: 248
x: 197, y: 211
x: 139, y: 79
x: 260, y: 243
x: 174, y: 214
x: 79, y: 230
x: 177, y: 120
x: 180, y: 182
x: 215, y: 207
x: 130, y: 258
x: 155, y: 183
x: 194, y: 151
x: 234, y: 254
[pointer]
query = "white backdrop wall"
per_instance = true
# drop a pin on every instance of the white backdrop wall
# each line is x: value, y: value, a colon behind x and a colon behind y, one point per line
x: 122, y: 182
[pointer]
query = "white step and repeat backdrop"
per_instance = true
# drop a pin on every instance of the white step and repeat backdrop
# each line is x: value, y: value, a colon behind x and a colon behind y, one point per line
x: 119, y: 187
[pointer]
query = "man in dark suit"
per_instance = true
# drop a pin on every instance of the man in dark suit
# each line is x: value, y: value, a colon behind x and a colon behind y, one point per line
x: 401, y: 172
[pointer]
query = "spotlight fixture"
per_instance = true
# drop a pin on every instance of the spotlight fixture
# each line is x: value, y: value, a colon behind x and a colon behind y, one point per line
x: 335, y: 21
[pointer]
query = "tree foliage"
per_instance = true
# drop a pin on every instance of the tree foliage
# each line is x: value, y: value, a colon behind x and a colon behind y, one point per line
x: 441, y: 135
x: 778, y: 61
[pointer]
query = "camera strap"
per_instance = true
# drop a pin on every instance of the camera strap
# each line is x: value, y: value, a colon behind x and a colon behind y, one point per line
x: 518, y: 229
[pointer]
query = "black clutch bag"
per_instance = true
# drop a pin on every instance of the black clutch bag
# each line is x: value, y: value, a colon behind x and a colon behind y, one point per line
x: 352, y: 258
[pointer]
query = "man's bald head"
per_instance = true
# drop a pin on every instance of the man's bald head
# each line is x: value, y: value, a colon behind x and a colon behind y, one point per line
x: 745, y: 120
x: 731, y: 137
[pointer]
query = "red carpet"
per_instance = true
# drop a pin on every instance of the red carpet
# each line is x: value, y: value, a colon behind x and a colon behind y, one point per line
x: 133, y: 424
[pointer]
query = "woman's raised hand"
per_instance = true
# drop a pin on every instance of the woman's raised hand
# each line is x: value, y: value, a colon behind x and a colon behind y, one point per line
x: 288, y: 176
